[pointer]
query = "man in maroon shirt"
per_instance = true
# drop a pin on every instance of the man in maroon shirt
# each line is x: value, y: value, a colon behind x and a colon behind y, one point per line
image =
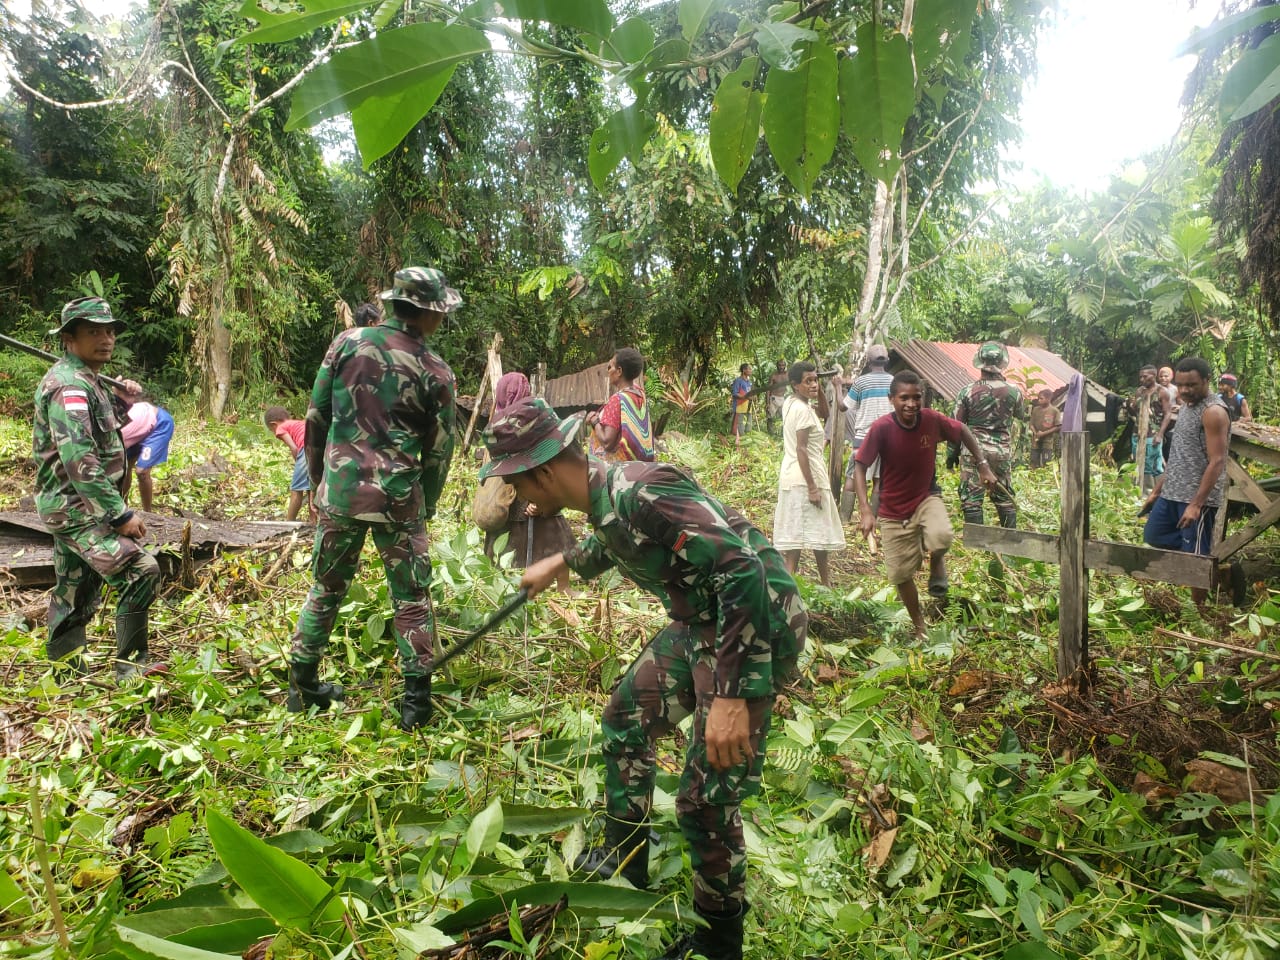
x: 912, y: 519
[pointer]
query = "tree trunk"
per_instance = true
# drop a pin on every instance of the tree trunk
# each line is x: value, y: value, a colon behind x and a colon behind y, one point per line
x: 217, y: 365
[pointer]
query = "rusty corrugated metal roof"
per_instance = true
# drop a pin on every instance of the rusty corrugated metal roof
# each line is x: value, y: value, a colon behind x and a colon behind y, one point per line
x: 584, y: 390
x: 948, y: 367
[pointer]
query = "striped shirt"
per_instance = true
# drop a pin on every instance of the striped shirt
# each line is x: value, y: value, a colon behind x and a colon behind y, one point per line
x: 868, y: 402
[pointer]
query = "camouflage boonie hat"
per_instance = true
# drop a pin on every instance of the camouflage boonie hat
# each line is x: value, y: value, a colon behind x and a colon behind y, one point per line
x: 92, y: 309
x: 991, y: 356
x: 528, y: 435
x: 425, y: 288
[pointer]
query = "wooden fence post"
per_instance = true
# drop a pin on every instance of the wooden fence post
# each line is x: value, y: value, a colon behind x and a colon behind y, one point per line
x: 1073, y: 596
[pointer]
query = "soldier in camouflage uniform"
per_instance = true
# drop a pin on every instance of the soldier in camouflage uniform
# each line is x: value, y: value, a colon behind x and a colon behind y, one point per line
x: 737, y: 627
x: 80, y: 471
x: 989, y: 406
x: 379, y: 437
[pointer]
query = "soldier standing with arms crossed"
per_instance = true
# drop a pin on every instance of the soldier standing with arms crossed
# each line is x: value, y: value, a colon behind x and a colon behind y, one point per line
x: 379, y: 439
x: 80, y: 471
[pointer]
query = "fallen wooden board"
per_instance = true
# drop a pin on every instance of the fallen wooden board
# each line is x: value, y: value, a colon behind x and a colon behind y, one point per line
x: 26, y: 546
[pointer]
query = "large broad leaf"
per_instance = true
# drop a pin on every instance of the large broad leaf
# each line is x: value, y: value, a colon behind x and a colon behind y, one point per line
x: 694, y: 15
x: 381, y: 122
x: 735, y: 122
x: 286, y: 888
x: 801, y: 117
x: 631, y: 41
x: 623, y: 135
x: 220, y: 929
x: 877, y: 95
x: 1226, y: 874
x: 1253, y: 82
x: 526, y: 820
x: 1227, y: 27
x: 781, y: 44
x: 137, y: 945
x: 384, y: 66
x: 589, y: 16
x: 1031, y: 950
x: 274, y: 27
x: 593, y: 899
x: 485, y: 830
x: 938, y: 26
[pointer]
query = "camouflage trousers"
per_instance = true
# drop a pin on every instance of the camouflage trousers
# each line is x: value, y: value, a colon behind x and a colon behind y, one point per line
x: 972, y: 491
x: 83, y: 557
x: 671, y: 679
x: 334, y: 562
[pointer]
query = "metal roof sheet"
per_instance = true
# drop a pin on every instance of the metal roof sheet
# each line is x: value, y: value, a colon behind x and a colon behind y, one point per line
x: 582, y: 390
x: 948, y: 367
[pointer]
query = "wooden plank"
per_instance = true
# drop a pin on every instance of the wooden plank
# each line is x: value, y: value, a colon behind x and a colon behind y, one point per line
x: 1012, y: 543
x: 1247, y: 534
x: 1148, y: 563
x: 1073, y: 531
x: 1243, y: 482
x: 1253, y: 450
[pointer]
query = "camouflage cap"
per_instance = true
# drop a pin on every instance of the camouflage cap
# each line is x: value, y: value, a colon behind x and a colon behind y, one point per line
x: 991, y: 356
x: 424, y: 287
x: 527, y: 435
x: 92, y: 309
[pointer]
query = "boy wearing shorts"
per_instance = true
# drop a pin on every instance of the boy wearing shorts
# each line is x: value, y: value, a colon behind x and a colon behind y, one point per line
x: 912, y: 519
x: 146, y: 442
x: 293, y: 433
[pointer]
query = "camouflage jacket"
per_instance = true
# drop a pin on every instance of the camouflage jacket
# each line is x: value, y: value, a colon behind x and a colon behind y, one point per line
x: 705, y: 561
x: 988, y: 407
x: 379, y: 432
x: 75, y: 440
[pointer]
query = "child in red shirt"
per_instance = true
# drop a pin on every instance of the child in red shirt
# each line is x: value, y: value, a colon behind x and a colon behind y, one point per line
x: 293, y: 433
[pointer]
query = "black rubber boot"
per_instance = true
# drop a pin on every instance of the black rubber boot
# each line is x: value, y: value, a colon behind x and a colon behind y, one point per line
x: 721, y: 939
x: 67, y: 650
x: 973, y: 515
x: 415, y: 705
x: 1008, y: 517
x: 306, y: 690
x: 131, y: 646
x: 626, y: 843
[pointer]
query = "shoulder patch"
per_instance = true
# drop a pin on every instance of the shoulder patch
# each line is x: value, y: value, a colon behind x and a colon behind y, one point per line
x: 75, y: 401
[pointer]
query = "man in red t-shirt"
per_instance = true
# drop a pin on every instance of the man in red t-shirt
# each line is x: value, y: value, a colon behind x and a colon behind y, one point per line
x: 912, y: 519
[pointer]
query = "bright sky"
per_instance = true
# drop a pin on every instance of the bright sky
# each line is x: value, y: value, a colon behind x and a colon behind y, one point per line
x: 1107, y: 88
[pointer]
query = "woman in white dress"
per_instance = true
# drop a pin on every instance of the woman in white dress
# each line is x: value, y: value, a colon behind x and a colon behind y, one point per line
x: 806, y: 517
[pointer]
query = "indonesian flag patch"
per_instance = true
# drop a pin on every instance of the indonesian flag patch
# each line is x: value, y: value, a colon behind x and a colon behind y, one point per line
x: 75, y: 401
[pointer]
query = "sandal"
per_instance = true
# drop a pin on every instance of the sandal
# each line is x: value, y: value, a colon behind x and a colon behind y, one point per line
x: 938, y: 587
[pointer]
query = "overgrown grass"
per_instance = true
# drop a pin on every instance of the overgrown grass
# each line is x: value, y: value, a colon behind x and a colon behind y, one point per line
x: 943, y: 800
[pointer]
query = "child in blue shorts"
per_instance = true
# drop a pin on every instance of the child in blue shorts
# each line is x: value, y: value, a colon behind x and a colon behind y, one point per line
x: 293, y: 434
x: 146, y: 440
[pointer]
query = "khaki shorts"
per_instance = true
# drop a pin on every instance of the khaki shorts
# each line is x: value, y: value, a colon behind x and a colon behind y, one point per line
x: 906, y: 543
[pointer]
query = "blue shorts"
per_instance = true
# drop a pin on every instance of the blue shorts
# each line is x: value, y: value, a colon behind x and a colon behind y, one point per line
x: 1162, y: 528
x: 153, y: 449
x: 301, y: 479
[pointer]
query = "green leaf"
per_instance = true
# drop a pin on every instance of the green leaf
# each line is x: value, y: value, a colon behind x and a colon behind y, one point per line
x: 694, y: 15
x: 1253, y: 82
x: 381, y: 123
x: 623, y: 135
x: 220, y: 929
x: 1203, y: 37
x: 671, y: 50
x: 1084, y: 304
x: 735, y: 122
x: 147, y: 946
x: 1226, y: 874
x: 274, y: 27
x: 286, y: 888
x: 801, y: 120
x: 386, y: 13
x: 13, y: 901
x: 936, y: 27
x: 631, y: 41
x: 781, y: 44
x: 589, y: 16
x: 1031, y: 950
x: 386, y: 65
x: 877, y: 96
x: 526, y: 820
x: 485, y: 830
x: 588, y: 899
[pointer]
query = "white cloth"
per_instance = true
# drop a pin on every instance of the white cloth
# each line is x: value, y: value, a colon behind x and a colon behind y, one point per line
x: 797, y: 415
x: 799, y: 525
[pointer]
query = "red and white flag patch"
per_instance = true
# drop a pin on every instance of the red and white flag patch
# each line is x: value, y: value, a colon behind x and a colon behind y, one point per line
x: 75, y: 401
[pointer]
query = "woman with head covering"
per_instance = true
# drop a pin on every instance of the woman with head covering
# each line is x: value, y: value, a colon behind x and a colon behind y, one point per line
x: 529, y: 537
